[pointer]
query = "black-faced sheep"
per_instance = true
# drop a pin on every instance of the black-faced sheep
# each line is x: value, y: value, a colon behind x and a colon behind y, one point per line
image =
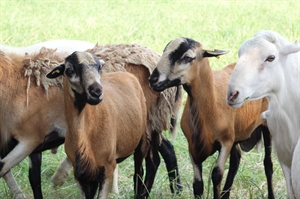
x: 207, y: 122
x: 100, y: 136
x: 141, y: 62
x: 160, y: 105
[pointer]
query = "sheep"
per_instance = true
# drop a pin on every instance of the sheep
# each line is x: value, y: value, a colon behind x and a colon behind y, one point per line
x: 62, y: 46
x: 141, y: 61
x: 117, y: 124
x: 207, y: 122
x: 268, y: 66
x: 33, y: 58
x: 162, y: 104
x: 20, y: 133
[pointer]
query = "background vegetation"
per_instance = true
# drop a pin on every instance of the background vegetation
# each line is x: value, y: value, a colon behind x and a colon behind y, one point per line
x: 216, y: 24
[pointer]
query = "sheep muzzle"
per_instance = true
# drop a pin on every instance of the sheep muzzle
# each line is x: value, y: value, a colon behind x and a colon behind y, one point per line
x: 95, y: 94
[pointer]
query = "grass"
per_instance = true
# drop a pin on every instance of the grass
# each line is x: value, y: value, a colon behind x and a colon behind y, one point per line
x: 216, y: 24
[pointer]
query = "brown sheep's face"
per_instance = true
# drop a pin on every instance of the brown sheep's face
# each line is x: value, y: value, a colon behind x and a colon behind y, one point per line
x: 171, y: 69
x: 82, y: 71
x: 174, y: 67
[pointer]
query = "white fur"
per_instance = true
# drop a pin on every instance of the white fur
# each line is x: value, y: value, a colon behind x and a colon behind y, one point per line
x: 61, y: 45
x: 13, y: 186
x: 254, y: 77
x: 295, y: 171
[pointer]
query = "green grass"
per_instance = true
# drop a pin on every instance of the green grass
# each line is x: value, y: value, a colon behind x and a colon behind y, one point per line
x: 216, y: 24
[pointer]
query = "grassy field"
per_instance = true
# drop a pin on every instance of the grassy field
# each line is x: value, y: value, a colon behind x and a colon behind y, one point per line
x: 216, y: 24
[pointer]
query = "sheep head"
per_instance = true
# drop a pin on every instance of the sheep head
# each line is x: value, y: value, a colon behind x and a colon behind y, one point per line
x: 173, y: 68
x: 267, y: 63
x: 82, y: 72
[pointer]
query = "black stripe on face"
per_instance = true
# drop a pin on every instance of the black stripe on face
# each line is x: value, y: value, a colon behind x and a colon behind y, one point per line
x: 182, y: 48
x: 81, y: 60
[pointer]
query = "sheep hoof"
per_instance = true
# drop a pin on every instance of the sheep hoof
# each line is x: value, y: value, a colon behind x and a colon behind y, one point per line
x: 19, y: 196
x: 58, y: 181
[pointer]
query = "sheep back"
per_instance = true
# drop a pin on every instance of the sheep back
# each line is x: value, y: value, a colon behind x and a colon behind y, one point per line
x: 130, y: 57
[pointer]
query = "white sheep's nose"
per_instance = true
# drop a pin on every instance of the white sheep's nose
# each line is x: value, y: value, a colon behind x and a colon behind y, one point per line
x: 232, y: 96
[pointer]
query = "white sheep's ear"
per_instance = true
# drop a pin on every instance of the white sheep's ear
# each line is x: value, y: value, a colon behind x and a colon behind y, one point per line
x: 290, y: 48
x: 57, y: 71
x: 214, y: 53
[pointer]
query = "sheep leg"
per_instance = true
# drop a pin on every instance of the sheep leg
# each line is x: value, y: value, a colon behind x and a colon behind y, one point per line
x: 287, y: 175
x: 13, y: 186
x: 82, y: 194
x: 88, y: 185
x: 89, y: 178
x: 166, y: 150
x: 138, y: 170
x: 106, y: 184
x: 152, y: 164
x: 218, y: 170
x: 19, y: 153
x: 114, y: 188
x: 198, y: 180
x: 62, y: 172
x: 268, y: 161
x: 235, y: 157
x: 64, y: 169
x: 35, y: 174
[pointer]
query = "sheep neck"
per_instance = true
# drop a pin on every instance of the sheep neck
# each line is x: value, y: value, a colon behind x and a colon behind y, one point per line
x: 77, y: 138
x: 202, y: 89
x: 201, y: 108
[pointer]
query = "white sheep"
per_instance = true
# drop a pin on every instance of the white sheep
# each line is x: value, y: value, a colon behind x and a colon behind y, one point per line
x: 269, y: 66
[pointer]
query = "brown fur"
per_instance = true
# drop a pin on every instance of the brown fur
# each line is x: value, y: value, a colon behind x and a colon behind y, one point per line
x: 110, y: 130
x: 141, y: 62
x: 207, y: 115
x: 218, y: 121
x: 21, y: 125
x: 29, y: 125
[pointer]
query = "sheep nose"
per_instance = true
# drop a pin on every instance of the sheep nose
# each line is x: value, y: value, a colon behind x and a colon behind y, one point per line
x: 233, y: 95
x: 95, y: 90
x: 154, y: 77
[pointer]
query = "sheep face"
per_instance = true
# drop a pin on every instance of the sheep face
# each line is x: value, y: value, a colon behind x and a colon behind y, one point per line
x: 260, y: 69
x: 82, y: 71
x: 175, y: 66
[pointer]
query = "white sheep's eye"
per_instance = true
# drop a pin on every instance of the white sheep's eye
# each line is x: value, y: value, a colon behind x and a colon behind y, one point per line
x: 270, y: 58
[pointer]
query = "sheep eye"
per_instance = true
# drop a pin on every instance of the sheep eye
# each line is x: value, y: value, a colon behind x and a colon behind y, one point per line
x: 188, y: 59
x: 69, y: 71
x: 270, y: 58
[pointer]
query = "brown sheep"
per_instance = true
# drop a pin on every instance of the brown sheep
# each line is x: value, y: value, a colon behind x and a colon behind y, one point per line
x: 100, y: 136
x: 141, y: 62
x: 207, y: 122
x: 20, y: 132
x: 163, y: 105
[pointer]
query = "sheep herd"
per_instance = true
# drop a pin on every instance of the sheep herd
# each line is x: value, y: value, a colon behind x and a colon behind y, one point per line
x: 105, y: 103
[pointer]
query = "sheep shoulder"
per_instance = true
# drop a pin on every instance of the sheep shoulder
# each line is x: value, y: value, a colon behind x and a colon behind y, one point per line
x: 119, y: 117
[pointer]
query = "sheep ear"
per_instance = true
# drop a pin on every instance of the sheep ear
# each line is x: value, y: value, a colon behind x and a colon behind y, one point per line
x: 57, y: 71
x: 214, y: 53
x: 290, y: 48
x: 101, y: 62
